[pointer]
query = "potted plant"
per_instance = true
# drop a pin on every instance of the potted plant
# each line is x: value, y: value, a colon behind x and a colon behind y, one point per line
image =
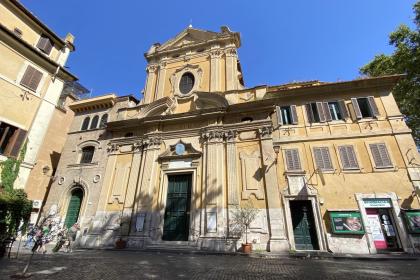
x: 241, y: 220
x: 120, y: 243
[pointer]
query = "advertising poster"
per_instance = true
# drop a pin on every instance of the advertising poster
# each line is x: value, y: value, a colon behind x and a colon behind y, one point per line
x: 377, y: 233
x: 346, y: 222
x: 412, y: 219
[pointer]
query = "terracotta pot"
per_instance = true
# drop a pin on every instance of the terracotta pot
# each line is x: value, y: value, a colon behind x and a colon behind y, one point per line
x: 120, y: 244
x: 247, y: 248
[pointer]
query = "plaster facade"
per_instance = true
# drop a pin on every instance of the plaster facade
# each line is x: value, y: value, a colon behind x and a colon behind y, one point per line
x: 32, y: 78
x: 237, y: 144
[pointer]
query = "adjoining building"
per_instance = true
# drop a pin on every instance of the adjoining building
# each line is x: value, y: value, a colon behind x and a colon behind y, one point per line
x: 330, y: 166
x: 32, y: 77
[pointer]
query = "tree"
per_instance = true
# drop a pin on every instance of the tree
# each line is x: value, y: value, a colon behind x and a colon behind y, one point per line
x: 242, y: 217
x: 404, y: 60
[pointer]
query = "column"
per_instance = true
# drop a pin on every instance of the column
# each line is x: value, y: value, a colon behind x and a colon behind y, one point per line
x: 278, y: 241
x: 231, y: 69
x: 215, y: 70
x: 232, y: 175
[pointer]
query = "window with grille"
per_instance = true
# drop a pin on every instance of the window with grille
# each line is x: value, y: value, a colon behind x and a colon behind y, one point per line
x: 286, y: 115
x: 94, y: 123
x: 87, y: 154
x: 380, y: 155
x: 292, y: 160
x: 85, y: 124
x: 322, y: 158
x: 31, y: 78
x: 187, y: 83
x: 348, y: 157
x: 45, y: 44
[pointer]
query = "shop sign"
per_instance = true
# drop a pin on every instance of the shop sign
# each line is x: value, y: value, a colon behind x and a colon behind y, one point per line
x: 412, y: 219
x: 377, y: 202
x: 346, y: 222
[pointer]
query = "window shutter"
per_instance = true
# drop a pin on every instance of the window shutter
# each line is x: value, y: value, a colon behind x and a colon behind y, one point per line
x: 292, y: 160
x: 279, y: 116
x: 309, y: 113
x: 31, y: 78
x: 42, y: 43
x: 348, y: 157
x: 356, y: 108
x: 322, y: 158
x: 18, y: 142
x: 327, y: 112
x: 26, y: 79
x: 320, y: 110
x: 343, y: 109
x: 373, y: 106
x: 294, y: 114
x: 45, y: 44
x: 380, y: 155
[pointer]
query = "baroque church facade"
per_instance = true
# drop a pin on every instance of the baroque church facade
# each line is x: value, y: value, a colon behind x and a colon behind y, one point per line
x: 329, y: 166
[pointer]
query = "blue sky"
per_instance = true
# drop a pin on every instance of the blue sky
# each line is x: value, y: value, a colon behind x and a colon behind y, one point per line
x: 282, y: 41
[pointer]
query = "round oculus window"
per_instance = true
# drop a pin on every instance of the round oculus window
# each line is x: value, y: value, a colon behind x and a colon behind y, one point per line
x: 187, y: 83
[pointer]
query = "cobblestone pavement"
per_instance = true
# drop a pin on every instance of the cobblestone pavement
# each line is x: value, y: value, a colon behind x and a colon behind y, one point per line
x: 153, y: 265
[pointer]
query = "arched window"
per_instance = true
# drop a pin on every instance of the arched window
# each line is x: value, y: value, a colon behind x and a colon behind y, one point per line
x: 87, y: 154
x: 187, y: 83
x: 94, y: 123
x: 85, y: 124
x: 104, y: 120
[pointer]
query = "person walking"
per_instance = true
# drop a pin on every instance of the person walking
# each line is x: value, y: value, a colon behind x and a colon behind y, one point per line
x: 30, y: 237
x: 72, y: 234
x: 45, y: 238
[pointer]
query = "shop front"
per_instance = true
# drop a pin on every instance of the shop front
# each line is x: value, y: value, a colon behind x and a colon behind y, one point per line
x: 382, y: 218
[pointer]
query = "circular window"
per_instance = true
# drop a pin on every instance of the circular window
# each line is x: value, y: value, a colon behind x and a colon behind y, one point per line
x: 187, y: 83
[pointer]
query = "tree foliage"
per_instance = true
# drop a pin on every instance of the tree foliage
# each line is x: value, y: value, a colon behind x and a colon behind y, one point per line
x: 404, y: 60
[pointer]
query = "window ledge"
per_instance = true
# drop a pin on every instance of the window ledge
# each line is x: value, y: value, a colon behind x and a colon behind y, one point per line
x: 385, y: 169
x: 295, y: 172
x: 351, y: 171
x: 80, y: 165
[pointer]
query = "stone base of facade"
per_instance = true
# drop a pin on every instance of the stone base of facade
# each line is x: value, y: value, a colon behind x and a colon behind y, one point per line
x: 278, y: 245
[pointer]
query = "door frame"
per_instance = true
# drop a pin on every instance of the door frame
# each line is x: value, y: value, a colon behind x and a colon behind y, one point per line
x: 402, y: 236
x: 66, y: 196
x: 320, y: 234
x: 162, y: 199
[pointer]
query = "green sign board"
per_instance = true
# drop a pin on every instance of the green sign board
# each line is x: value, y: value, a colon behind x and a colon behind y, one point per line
x: 346, y: 222
x: 412, y: 219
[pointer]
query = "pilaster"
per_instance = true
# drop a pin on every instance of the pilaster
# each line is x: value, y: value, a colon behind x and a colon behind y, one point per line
x: 214, y: 194
x: 231, y: 71
x: 150, y: 83
x: 278, y: 241
x: 160, y: 87
x: 215, y: 55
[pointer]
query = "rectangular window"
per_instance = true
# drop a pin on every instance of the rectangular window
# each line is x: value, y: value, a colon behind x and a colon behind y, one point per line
x: 11, y: 139
x: 286, y: 115
x: 338, y: 110
x: 31, y: 78
x: 380, y: 155
x: 322, y: 158
x: 348, y: 157
x: 45, y: 44
x: 365, y: 107
x: 317, y: 112
x: 292, y: 160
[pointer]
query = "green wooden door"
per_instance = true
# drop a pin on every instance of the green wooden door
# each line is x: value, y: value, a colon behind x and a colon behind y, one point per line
x: 176, y: 223
x: 303, y: 222
x: 74, y: 208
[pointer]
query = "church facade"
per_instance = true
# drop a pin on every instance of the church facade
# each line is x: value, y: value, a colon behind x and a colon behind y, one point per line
x: 329, y: 166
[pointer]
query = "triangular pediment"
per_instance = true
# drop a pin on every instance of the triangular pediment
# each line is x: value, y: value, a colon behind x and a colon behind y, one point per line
x: 188, y: 36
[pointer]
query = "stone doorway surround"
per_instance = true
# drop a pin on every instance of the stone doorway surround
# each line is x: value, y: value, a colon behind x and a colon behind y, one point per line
x: 298, y: 189
x: 172, y: 164
x: 395, y: 211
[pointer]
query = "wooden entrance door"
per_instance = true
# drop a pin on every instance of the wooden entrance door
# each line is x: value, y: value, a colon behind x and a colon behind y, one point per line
x: 74, y: 207
x: 303, y: 222
x: 177, y: 211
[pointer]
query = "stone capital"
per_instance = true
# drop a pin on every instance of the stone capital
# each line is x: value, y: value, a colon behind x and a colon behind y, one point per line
x: 265, y: 132
x: 230, y: 136
x: 214, y: 136
x: 152, y: 142
x: 151, y: 68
